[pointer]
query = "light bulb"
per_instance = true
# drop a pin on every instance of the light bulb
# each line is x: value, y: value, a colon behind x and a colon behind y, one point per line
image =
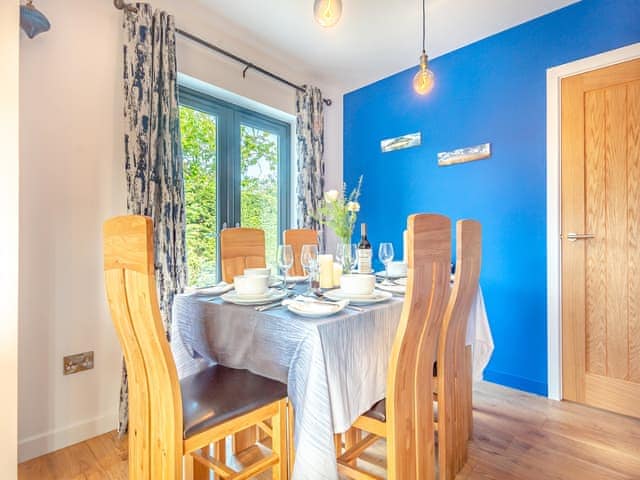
x: 424, y: 80
x: 327, y: 12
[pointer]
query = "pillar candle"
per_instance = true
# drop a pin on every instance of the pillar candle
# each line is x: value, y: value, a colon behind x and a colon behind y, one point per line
x: 337, y: 273
x: 326, y: 270
x: 405, y: 241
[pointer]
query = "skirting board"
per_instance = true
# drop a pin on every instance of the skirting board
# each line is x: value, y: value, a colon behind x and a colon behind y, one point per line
x: 519, y: 383
x: 47, y: 442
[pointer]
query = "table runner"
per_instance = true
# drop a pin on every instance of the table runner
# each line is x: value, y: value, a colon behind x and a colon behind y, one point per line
x: 335, y: 368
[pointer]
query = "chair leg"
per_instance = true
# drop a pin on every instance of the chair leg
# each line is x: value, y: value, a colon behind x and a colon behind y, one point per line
x: 290, y: 438
x: 220, y: 452
x: 244, y: 439
x: 187, y: 467
x: 469, y: 388
x: 200, y: 471
x: 351, y: 437
x: 454, y: 418
x: 337, y: 438
x: 279, y: 442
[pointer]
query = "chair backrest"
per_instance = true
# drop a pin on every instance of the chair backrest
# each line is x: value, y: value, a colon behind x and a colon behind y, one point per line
x: 241, y: 248
x: 155, y: 404
x: 297, y: 238
x: 410, y: 433
x: 453, y: 371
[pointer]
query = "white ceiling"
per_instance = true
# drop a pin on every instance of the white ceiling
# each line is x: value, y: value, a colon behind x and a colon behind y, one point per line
x: 374, y: 38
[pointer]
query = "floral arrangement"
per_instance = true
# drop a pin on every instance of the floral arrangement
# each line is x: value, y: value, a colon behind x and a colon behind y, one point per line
x: 339, y: 212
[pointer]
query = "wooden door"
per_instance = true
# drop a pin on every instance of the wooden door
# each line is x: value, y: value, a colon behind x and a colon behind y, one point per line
x: 601, y: 274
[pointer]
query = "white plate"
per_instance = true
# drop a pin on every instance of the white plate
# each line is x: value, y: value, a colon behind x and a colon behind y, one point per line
x: 338, y: 292
x: 252, y: 296
x: 382, y: 275
x: 218, y: 289
x: 311, y: 309
x: 376, y: 297
x: 398, y: 289
x: 271, y: 296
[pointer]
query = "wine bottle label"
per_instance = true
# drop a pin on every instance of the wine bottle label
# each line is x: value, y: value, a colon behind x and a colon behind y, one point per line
x: 364, y: 260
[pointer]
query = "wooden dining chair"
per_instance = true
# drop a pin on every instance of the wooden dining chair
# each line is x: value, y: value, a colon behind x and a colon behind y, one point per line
x: 172, y: 420
x: 405, y: 417
x: 241, y: 248
x: 297, y: 238
x: 454, y: 376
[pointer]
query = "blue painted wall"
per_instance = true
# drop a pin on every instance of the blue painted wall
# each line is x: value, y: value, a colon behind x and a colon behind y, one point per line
x: 491, y: 91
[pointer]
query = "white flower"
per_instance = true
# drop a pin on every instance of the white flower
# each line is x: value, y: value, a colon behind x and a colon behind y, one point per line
x: 353, y: 206
x: 331, y: 196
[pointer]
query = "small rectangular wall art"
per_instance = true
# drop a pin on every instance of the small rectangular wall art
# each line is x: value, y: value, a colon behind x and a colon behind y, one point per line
x: 462, y: 155
x: 399, y: 143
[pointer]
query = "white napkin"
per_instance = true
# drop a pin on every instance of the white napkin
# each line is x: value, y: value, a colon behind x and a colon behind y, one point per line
x: 219, y: 289
x: 481, y: 333
x: 309, y: 305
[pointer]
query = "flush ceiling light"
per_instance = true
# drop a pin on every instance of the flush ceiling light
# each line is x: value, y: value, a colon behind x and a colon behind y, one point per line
x: 327, y: 12
x: 424, y: 79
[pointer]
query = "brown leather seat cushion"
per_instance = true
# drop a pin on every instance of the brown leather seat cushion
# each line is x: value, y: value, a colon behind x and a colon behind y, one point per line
x: 379, y: 411
x: 218, y: 394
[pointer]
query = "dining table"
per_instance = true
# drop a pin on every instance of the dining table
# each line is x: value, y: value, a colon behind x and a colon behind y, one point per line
x: 335, y: 367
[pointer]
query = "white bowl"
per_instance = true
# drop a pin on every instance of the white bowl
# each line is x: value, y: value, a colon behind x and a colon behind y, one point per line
x: 257, y: 271
x: 397, y: 269
x: 251, y: 284
x: 357, y: 284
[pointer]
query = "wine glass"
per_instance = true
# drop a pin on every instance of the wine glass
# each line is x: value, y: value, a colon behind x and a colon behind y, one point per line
x: 285, y: 262
x: 385, y: 255
x: 340, y: 252
x: 353, y: 250
x: 309, y: 261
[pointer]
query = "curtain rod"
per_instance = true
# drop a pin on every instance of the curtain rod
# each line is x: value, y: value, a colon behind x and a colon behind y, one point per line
x: 122, y: 5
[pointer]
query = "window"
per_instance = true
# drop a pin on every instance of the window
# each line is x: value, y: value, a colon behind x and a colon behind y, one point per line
x: 236, y: 173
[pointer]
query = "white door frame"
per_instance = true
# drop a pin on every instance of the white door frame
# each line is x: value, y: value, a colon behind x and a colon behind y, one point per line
x: 554, y: 251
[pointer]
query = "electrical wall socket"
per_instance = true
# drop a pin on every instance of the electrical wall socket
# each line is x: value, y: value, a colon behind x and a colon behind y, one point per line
x: 77, y: 363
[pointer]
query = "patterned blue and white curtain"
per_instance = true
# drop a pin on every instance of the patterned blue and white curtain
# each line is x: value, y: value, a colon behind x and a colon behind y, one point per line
x: 310, y: 143
x: 153, y: 156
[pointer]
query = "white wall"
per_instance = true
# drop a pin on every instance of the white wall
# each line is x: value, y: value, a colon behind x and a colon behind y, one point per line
x: 9, y: 162
x: 225, y: 73
x: 72, y: 180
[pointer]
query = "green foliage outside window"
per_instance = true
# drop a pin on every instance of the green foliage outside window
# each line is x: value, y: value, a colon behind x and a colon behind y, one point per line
x: 258, y: 190
x: 259, y: 185
x: 198, y: 131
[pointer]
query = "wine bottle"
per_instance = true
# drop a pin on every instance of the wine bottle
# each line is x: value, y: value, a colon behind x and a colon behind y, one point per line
x: 364, y: 251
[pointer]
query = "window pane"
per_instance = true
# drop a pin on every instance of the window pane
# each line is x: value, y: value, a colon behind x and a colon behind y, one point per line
x: 199, y: 149
x: 259, y: 184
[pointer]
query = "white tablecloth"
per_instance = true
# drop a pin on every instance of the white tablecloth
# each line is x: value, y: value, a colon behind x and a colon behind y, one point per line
x: 335, y: 368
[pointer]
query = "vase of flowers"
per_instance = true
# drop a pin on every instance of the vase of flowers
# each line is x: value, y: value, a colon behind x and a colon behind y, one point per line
x: 339, y: 212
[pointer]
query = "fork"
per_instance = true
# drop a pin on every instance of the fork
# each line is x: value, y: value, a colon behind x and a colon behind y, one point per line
x: 279, y: 303
x: 264, y: 308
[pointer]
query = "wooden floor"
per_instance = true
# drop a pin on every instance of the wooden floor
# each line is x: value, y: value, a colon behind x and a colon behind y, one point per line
x: 516, y: 436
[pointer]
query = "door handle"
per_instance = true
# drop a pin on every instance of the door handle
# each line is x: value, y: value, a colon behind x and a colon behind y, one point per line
x: 572, y: 237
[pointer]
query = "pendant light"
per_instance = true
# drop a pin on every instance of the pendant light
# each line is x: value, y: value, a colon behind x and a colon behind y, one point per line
x: 423, y: 80
x: 327, y: 12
